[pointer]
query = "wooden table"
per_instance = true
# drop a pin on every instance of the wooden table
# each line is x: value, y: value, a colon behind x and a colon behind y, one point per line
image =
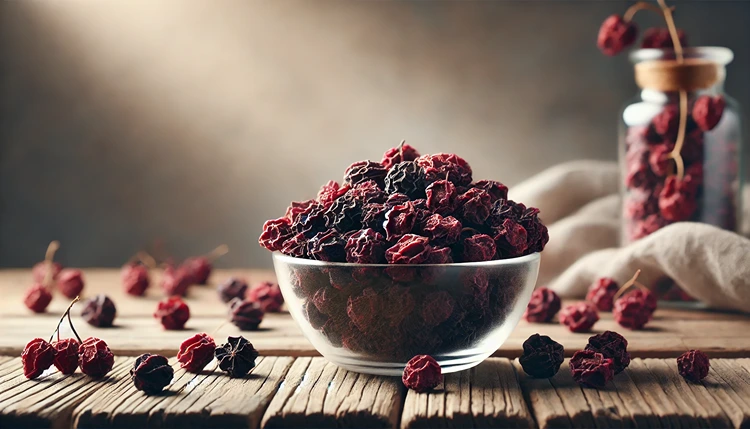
x: 293, y: 386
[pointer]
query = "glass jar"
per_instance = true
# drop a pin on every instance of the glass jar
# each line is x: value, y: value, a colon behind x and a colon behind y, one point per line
x: 709, y: 180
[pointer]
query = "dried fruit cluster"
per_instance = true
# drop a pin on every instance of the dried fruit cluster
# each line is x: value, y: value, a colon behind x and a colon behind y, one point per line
x: 248, y: 306
x: 48, y: 274
x: 236, y: 357
x: 407, y: 209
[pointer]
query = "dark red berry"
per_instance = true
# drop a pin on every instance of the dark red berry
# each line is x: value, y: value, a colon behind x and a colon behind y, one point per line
x: 497, y: 190
x: 602, y: 293
x: 474, y: 206
x: 631, y: 312
x: 39, y: 271
x: 405, y: 178
x: 437, y: 255
x: 294, y: 211
x: 316, y: 318
x: 400, y: 220
x: 66, y: 355
x: 135, y: 279
x: 615, y: 34
x: 660, y: 160
x: 395, y: 155
x: 707, y: 111
x: 151, y: 373
x: 232, y: 288
x: 70, y: 282
x: 477, y: 248
x: 422, y: 373
x: 37, y: 298
x: 693, y: 365
x: 344, y: 214
x: 677, y: 200
x: 175, y: 281
x: 511, y: 239
x: 537, y: 234
x: 409, y: 249
x: 172, y: 313
x: 648, y: 298
x: 660, y: 38
x: 362, y: 171
x: 437, y: 307
x: 275, y: 233
x: 196, y: 352
x: 310, y: 221
x: 368, y: 192
x: 613, y: 346
x: 666, y: 122
x: 95, y: 358
x: 296, y: 246
x: 363, y: 309
x: 236, y: 357
x: 199, y: 269
x: 327, y: 246
x: 543, y: 306
x: 542, y: 356
x: 245, y: 314
x: 579, y: 317
x: 366, y: 247
x: 37, y: 357
x: 268, y: 295
x: 330, y: 192
x: 373, y: 216
x: 442, y: 231
x: 442, y: 165
x: 99, y: 311
x: 591, y: 369
x: 441, y: 197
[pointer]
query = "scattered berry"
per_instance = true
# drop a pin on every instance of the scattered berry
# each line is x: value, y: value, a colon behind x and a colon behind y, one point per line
x: 693, y: 365
x: 236, y: 357
x: 173, y: 313
x: 579, y: 317
x: 659, y: 38
x: 135, y: 279
x: 707, y: 111
x: 613, y: 346
x: 615, y: 34
x: 591, y: 369
x: 196, y: 352
x: 647, y: 297
x: 37, y: 298
x: 232, y: 288
x: 37, y: 357
x: 268, y: 295
x: 175, y: 281
x: 39, y: 271
x: 245, y: 314
x: 602, y: 293
x: 99, y: 311
x: 151, y: 373
x: 542, y: 356
x: 631, y: 311
x: 70, y: 282
x: 543, y: 306
x: 422, y: 373
x: 199, y: 269
x: 94, y: 357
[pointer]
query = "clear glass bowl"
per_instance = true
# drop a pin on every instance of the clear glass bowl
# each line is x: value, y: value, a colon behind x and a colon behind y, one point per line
x: 374, y: 318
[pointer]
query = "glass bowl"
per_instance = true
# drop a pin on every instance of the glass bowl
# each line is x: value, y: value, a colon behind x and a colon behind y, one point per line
x: 374, y: 318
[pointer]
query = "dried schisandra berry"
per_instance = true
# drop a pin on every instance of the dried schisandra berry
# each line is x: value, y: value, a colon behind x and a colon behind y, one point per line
x: 175, y: 281
x: 296, y: 246
x: 151, y: 373
x: 477, y: 248
x: 442, y: 231
x: 99, y: 311
x: 66, y: 355
x: 497, y: 190
x: 94, y: 357
x: 647, y: 297
x: 232, y: 288
x: 579, y: 317
x: 275, y: 233
x: 474, y: 206
x: 330, y: 192
x: 199, y: 269
x: 37, y: 298
x: 236, y: 357
x: 442, y: 165
x: 441, y: 197
x: 344, y: 214
x: 693, y: 365
x: 591, y: 369
x: 37, y: 357
x: 542, y: 356
x: 363, y: 309
x: 366, y: 246
x: 395, y: 155
x: 677, y: 200
x: 70, y: 282
x: 422, y: 373
x: 615, y: 34
x: 327, y: 246
x: 631, y: 312
x: 707, y: 111
x: 405, y: 178
x: 362, y: 171
x: 659, y: 38
x: 39, y: 271
x: 613, y: 346
x: 172, y: 313
x: 543, y: 306
x: 368, y: 193
x: 135, y: 279
x: 511, y: 238
x: 196, y: 352
x: 602, y: 293
x: 268, y: 295
x: 666, y: 122
x: 245, y: 314
x: 400, y: 220
x: 409, y: 249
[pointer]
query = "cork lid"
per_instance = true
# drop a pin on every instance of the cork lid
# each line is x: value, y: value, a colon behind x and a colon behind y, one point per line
x: 702, y: 68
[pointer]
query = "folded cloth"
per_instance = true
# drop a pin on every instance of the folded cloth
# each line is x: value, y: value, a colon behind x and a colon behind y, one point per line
x: 580, y: 203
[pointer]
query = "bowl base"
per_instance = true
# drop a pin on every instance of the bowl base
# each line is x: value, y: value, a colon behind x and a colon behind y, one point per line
x: 448, y: 364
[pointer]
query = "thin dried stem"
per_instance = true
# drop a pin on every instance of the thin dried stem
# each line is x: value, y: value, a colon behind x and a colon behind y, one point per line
x: 66, y: 314
x: 146, y: 259
x: 627, y: 285
x: 401, y: 149
x: 217, y: 253
x: 676, y: 152
x: 49, y: 257
x: 641, y: 5
x: 672, y: 30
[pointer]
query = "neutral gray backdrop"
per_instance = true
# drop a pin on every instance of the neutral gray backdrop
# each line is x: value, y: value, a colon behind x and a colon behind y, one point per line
x: 193, y: 121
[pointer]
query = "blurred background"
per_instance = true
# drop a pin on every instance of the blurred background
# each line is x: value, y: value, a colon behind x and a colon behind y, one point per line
x: 191, y: 122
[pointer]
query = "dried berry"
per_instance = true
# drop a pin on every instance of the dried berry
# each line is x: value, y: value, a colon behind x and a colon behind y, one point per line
x: 232, y: 288
x: 151, y: 373
x: 579, y: 317
x: 666, y: 122
x: 373, y: 216
x: 409, y: 249
x: 647, y: 297
x: 295, y: 210
x: 39, y: 271
x: 95, y: 358
x: 362, y: 171
x: 474, y: 206
x: 543, y: 306
x: 405, y: 178
x: 99, y: 311
x: 268, y: 295
x: 442, y: 231
x: 613, y: 346
x: 175, y: 281
x: 316, y: 318
x: 422, y: 373
x: 363, y: 309
x: 399, y: 221
x: 327, y: 246
x: 542, y: 356
x: 707, y: 111
x: 296, y: 246
x: 366, y: 247
x: 437, y: 255
x: 275, y: 233
x: 437, y: 307
x: 196, y: 352
x: 37, y: 298
x: 310, y: 221
x: 631, y: 312
x: 511, y: 239
x: 199, y: 269
x: 693, y: 365
x: 396, y: 200
x: 345, y: 214
x: 497, y: 190
x: 602, y: 293
x: 615, y: 34
x: 477, y: 248
x: 245, y: 314
x: 659, y: 38
x: 37, y: 357
x: 677, y: 200
x: 537, y: 234
x: 66, y: 355
x: 236, y: 357
x: 442, y: 165
x: 441, y: 197
x: 135, y: 279
x: 591, y: 369
x: 368, y: 192
x: 330, y: 192
x: 70, y: 282
x: 399, y: 154
x: 172, y: 313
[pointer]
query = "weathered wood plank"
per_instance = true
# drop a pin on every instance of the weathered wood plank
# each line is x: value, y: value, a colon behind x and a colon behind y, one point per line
x: 485, y: 396
x: 316, y: 393
x: 729, y: 382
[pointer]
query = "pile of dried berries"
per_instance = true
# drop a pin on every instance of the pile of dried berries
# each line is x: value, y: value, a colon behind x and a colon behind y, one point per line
x: 693, y: 365
x: 151, y: 373
x: 579, y: 317
x: 172, y: 313
x: 44, y: 274
x: 542, y: 356
x: 422, y: 373
x: 236, y: 357
x: 99, y: 311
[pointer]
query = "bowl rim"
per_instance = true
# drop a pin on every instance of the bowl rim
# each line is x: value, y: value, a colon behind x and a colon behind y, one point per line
x: 278, y: 256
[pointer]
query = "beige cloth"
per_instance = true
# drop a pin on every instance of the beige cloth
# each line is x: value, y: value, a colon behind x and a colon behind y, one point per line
x: 580, y: 203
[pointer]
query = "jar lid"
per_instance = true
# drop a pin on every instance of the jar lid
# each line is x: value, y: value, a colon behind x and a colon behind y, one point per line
x: 658, y: 69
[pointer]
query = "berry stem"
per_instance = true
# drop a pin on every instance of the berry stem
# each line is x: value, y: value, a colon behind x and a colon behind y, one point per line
x: 627, y: 285
x: 66, y: 314
x: 217, y: 253
x: 401, y: 149
x: 72, y: 328
x: 676, y: 152
x: 49, y: 257
x: 641, y: 5
x: 146, y: 259
x: 667, y: 11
